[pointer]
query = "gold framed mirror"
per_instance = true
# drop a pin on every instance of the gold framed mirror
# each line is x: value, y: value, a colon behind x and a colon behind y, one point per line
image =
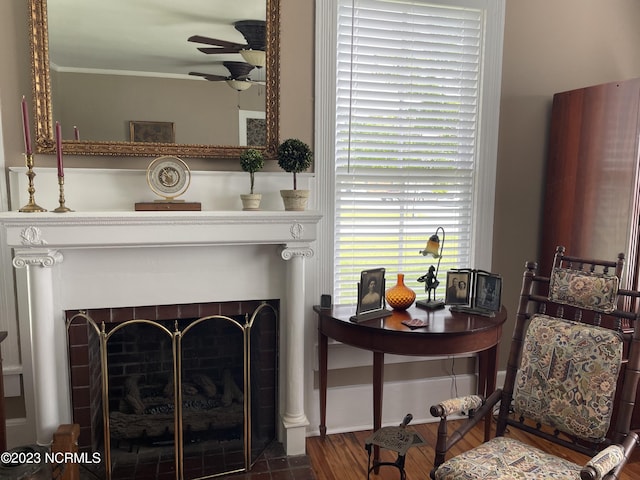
x: 47, y: 109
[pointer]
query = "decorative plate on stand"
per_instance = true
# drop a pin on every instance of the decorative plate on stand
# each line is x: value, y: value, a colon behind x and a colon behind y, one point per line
x: 168, y: 177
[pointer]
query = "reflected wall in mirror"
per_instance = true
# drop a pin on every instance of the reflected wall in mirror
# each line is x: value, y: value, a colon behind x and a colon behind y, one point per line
x: 99, y: 85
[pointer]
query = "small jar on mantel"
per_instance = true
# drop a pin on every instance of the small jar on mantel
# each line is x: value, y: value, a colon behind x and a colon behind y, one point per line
x: 400, y: 297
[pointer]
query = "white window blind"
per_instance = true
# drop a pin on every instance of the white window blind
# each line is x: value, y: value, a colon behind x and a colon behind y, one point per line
x: 408, y: 87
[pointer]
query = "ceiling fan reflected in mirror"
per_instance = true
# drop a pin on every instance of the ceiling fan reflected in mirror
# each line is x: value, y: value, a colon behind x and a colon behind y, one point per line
x: 253, y: 52
x: 238, y: 79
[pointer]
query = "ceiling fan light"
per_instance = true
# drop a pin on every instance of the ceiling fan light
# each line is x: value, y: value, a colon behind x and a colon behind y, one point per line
x: 239, y: 85
x: 257, y: 58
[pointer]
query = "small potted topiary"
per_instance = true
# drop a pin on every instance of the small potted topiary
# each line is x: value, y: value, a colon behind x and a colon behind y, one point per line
x: 251, y: 160
x: 294, y: 156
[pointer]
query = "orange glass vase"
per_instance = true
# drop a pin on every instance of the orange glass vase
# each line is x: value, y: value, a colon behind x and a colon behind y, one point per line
x: 400, y: 297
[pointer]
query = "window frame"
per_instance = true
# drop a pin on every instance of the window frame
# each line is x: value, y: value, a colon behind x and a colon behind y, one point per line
x: 488, y: 117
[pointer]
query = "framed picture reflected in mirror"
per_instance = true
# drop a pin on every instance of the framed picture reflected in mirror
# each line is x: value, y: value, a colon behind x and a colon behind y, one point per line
x: 156, y: 132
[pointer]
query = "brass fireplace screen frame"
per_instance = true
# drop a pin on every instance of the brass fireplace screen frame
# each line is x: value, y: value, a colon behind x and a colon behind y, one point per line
x: 176, y: 343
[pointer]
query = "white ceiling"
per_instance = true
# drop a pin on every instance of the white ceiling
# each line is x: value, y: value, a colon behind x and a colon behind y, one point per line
x: 144, y: 37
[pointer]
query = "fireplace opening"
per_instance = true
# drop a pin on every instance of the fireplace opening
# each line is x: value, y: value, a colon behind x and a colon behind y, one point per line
x: 182, y: 396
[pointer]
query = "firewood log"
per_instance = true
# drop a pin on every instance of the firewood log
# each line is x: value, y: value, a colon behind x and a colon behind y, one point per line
x: 187, y: 389
x: 206, y: 385
x: 131, y: 401
x: 231, y: 391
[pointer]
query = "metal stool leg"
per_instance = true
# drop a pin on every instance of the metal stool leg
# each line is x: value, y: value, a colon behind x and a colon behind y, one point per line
x: 399, y: 464
x: 396, y: 439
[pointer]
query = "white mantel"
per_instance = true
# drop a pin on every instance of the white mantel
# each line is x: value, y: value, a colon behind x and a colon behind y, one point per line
x: 111, y: 259
x: 146, y: 229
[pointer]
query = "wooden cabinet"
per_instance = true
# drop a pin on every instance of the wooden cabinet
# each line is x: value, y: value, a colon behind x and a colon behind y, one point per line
x: 592, y: 191
x: 592, y: 199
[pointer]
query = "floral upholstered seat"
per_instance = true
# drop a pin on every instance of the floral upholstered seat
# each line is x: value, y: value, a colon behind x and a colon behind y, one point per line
x: 561, y: 382
x: 567, y: 380
x: 503, y: 458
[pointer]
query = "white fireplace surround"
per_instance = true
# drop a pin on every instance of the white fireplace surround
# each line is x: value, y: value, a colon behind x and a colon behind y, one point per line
x: 97, y: 259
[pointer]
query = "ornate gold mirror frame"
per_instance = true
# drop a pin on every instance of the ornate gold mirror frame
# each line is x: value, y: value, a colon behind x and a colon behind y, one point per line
x: 45, y: 143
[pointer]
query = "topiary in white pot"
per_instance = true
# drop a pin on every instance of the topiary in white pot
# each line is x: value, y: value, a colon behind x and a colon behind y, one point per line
x: 294, y: 156
x: 251, y: 160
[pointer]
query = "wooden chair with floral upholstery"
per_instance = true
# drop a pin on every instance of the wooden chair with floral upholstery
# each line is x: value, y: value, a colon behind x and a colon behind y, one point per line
x: 571, y: 379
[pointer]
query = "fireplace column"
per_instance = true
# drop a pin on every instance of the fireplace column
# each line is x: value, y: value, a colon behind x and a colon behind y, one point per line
x: 294, y: 419
x: 42, y: 320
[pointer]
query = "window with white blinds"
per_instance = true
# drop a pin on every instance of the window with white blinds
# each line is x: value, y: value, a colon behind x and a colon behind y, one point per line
x: 408, y: 86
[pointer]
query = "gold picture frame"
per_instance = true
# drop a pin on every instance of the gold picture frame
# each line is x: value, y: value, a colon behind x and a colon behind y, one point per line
x: 151, y: 132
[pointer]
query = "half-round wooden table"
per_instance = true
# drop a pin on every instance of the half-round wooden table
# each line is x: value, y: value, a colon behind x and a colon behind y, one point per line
x: 446, y: 333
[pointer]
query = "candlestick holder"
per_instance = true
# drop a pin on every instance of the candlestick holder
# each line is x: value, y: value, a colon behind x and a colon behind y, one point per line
x: 31, y: 206
x: 62, y: 208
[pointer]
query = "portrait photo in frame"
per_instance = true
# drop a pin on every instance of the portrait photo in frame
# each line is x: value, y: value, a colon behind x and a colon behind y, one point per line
x: 488, y: 291
x: 371, y: 302
x: 458, y: 287
x: 371, y: 291
x: 158, y: 132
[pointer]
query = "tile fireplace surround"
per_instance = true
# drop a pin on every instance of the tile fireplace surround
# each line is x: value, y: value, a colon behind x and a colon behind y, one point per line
x: 120, y: 259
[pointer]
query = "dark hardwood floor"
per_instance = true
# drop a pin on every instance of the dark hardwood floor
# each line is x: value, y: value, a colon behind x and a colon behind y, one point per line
x: 343, y: 456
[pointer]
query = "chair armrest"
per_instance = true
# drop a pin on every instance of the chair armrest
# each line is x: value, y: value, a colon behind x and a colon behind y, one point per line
x: 611, y: 460
x: 478, y: 409
x: 457, y: 405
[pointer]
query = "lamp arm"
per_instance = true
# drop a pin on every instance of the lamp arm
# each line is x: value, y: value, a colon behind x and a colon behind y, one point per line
x: 438, y: 266
x: 441, y: 248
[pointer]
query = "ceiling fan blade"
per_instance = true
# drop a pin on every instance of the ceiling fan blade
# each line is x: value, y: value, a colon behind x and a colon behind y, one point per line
x: 214, y: 50
x: 238, y: 70
x: 216, y: 42
x: 209, y: 76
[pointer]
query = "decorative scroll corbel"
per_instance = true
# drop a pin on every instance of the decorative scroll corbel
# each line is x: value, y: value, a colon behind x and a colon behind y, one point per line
x: 289, y: 252
x: 43, y: 258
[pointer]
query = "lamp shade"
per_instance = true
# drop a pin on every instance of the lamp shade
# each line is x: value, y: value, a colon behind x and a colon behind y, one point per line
x: 257, y: 58
x: 433, y: 247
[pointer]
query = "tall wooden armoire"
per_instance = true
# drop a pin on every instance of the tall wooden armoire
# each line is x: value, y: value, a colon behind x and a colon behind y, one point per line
x: 592, y: 197
x: 592, y: 191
